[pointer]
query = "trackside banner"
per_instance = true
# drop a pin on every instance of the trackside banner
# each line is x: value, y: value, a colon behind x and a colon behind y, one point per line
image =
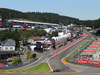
x: 89, y: 50
x: 88, y: 62
x: 95, y: 42
x: 85, y: 35
x: 93, y: 45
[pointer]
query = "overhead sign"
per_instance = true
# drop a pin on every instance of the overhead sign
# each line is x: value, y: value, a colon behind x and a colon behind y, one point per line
x: 88, y: 62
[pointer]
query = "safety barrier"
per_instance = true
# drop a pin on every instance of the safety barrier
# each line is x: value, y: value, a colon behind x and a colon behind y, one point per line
x: 71, y: 57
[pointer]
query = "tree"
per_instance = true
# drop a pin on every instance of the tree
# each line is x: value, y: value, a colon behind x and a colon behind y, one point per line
x: 28, y: 54
x: 55, y: 33
x: 16, y: 60
x: 34, y: 55
x: 9, y: 29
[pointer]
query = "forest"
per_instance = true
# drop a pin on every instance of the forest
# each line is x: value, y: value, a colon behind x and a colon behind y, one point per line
x: 46, y: 17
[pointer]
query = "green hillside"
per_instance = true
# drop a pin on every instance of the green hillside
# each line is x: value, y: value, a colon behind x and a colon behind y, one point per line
x: 36, y: 16
x: 46, y: 17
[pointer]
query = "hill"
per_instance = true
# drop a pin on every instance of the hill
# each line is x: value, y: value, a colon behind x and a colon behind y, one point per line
x: 36, y: 16
x: 46, y: 17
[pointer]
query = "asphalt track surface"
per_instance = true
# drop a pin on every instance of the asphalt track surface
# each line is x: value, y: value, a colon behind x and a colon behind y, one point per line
x: 55, y: 61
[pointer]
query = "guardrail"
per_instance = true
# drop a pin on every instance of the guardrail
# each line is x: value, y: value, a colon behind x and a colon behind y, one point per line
x: 71, y: 58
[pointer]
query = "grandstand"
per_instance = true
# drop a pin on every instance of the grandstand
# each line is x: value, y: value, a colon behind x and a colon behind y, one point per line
x: 30, y: 24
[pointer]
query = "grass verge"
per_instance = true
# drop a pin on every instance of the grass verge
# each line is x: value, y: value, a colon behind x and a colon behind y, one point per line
x: 42, y: 67
x: 81, y: 46
x: 96, y: 36
x: 38, y: 68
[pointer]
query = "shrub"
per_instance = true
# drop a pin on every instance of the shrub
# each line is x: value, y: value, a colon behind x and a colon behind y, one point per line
x: 16, y: 60
x: 34, y: 55
x: 30, y: 56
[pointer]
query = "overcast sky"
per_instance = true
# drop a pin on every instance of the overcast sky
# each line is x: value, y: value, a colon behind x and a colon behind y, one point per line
x: 81, y: 9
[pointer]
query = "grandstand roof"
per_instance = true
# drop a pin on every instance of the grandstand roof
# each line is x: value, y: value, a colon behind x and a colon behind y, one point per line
x: 33, y: 22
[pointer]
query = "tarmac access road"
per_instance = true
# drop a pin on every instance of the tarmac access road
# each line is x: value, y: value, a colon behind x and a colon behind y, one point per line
x: 41, y: 59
